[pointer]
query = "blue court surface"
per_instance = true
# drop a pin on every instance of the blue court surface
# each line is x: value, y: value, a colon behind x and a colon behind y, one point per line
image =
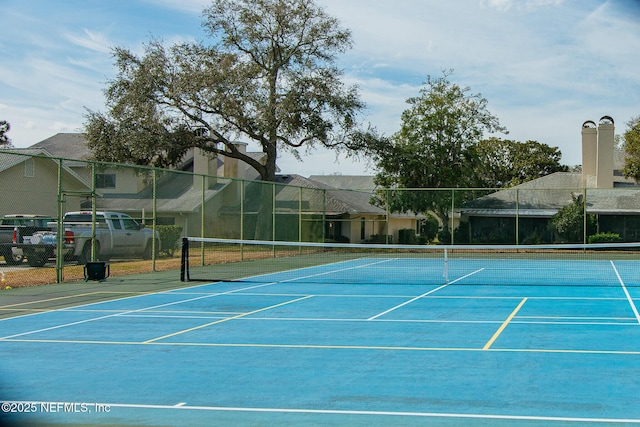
x: 287, y: 350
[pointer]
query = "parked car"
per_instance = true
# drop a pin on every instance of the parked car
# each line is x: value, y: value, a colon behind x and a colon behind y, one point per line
x: 117, y: 235
x: 13, y: 229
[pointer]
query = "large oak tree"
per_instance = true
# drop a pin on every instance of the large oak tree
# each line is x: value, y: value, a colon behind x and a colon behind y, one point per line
x: 268, y: 74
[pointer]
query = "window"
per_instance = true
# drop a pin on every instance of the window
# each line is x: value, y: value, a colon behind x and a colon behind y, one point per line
x: 166, y: 220
x: 115, y: 220
x: 29, y: 168
x: 105, y: 180
x: 130, y: 223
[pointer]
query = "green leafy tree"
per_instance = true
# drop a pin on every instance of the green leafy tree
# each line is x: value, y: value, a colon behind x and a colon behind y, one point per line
x: 269, y: 75
x: 4, y: 128
x: 436, y: 147
x: 505, y: 163
x: 632, y: 149
x: 569, y: 222
x: 429, y: 228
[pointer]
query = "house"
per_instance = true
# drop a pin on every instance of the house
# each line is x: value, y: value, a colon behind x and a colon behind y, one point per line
x: 521, y: 214
x: 344, y: 204
x: 319, y: 208
x: 349, y: 213
x: 29, y: 182
x: 221, y: 196
x: 367, y: 222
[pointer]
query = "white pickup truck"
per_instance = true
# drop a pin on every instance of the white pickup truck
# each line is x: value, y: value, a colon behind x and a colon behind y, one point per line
x: 117, y: 235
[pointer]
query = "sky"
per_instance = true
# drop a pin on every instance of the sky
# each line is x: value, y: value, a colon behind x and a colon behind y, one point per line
x: 544, y: 66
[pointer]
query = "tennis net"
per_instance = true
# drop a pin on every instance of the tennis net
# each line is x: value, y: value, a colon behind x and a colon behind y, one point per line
x: 212, y: 260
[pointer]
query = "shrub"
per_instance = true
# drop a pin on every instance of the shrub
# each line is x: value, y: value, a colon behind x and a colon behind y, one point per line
x: 169, y: 238
x: 338, y: 239
x: 462, y: 234
x: 380, y: 239
x: 444, y: 236
x: 605, y: 238
x: 407, y: 236
x: 429, y: 229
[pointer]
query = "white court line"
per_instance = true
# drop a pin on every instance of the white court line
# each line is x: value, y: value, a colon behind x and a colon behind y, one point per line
x: 182, y: 406
x: 127, y: 312
x: 258, y: 276
x: 332, y: 271
x: 89, y: 304
x: 626, y: 292
x: 422, y: 296
x: 465, y: 276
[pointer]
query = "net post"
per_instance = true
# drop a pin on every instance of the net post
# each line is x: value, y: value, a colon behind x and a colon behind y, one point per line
x: 445, y: 272
x: 184, y: 261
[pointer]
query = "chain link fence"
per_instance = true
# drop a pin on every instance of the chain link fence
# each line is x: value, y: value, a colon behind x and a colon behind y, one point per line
x: 37, y: 192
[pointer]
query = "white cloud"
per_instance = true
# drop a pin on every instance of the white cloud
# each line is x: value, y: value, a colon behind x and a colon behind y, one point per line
x: 324, y: 162
x: 527, y: 5
x: 91, y: 40
x: 545, y: 66
x: 501, y: 5
x: 189, y: 6
x: 63, y: 127
x: 610, y: 37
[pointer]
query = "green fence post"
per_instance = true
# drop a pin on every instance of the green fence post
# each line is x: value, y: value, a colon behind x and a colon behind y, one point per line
x: 324, y: 215
x: 273, y: 211
x: 154, y: 244
x: 242, y: 192
x: 453, y: 207
x: 59, y: 228
x: 585, y: 221
x: 203, y: 189
x: 386, y: 216
x: 517, y: 216
x: 93, y: 211
x: 242, y: 197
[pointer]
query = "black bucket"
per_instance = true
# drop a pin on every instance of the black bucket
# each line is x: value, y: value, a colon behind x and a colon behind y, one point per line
x: 96, y: 270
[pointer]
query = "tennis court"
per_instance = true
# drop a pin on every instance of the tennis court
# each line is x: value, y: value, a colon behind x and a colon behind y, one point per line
x: 353, y: 339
